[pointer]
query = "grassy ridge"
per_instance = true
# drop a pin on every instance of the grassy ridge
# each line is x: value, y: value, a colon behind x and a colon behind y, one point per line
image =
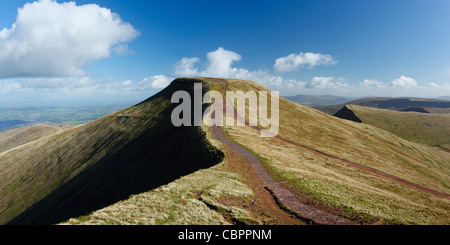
x: 342, y: 185
x: 16, y: 137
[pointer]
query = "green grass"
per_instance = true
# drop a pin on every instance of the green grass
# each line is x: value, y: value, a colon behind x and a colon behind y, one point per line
x: 177, y: 203
x: 344, y: 186
x: 426, y: 128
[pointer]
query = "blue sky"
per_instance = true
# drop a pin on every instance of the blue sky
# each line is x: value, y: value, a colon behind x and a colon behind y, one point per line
x: 125, y: 51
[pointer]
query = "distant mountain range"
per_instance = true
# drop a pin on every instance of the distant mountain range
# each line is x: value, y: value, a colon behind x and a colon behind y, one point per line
x: 444, y: 98
x: 317, y: 100
x: 326, y: 100
x: 391, y: 103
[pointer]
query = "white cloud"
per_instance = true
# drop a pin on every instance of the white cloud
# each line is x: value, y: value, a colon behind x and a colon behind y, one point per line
x: 9, y: 87
x: 51, y: 39
x: 160, y: 81
x: 56, y: 82
x: 220, y: 65
x: 146, y: 84
x: 404, y: 82
x: 327, y: 83
x: 220, y: 62
x: 185, y: 67
x: 294, y: 62
x: 372, y: 83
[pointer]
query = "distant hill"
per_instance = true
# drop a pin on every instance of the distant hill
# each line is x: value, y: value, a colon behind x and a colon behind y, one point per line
x: 444, y: 98
x: 16, y: 137
x: 317, y: 100
x: 425, y: 128
x: 390, y: 103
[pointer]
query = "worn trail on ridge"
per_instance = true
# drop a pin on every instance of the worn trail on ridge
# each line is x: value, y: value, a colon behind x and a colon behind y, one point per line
x: 286, y: 197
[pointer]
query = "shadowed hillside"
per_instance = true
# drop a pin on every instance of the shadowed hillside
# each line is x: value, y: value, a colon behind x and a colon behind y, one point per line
x: 97, y: 164
x: 346, y: 113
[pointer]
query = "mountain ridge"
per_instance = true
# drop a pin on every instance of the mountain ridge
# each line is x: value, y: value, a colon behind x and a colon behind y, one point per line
x: 317, y: 173
x: 101, y: 166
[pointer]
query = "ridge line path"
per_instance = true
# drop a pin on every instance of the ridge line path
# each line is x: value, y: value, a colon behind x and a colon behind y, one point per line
x: 353, y: 164
x: 284, y: 196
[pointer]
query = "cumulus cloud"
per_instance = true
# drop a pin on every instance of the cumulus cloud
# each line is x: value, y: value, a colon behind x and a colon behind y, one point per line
x: 404, y: 82
x: 401, y: 82
x: 294, y: 62
x: 9, y: 87
x: 372, y: 83
x: 159, y: 81
x: 219, y: 64
x: 185, y: 67
x: 327, y: 83
x: 146, y: 84
x: 51, y: 39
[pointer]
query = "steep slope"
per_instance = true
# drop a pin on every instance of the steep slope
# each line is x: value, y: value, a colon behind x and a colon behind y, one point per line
x: 344, y: 168
x: 94, y: 165
x: 426, y: 128
x: 16, y: 137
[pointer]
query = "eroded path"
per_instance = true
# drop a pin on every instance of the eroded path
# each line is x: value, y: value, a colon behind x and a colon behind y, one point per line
x: 287, y: 198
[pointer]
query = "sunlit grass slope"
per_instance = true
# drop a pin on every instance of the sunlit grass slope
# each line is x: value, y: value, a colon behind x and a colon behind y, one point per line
x: 16, y: 137
x: 427, y: 128
x: 342, y: 185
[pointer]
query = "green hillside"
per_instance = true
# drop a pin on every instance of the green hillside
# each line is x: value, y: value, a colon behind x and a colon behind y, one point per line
x: 426, y: 128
